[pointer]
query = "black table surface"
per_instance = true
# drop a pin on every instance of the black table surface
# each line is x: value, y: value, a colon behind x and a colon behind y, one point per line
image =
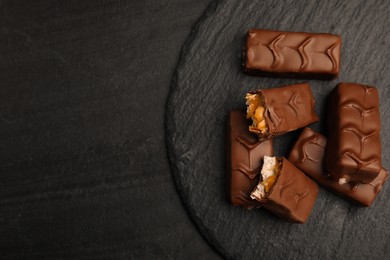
x: 83, y: 165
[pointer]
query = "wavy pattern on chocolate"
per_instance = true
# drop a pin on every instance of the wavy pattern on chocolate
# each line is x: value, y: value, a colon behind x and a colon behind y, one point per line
x: 285, y: 186
x: 244, y: 160
x: 249, y: 172
x: 362, y: 137
x: 298, y: 195
x: 354, y: 151
x: 293, y: 195
x: 250, y: 146
x: 242, y: 199
x: 359, y: 108
x: 333, y: 53
x: 292, y: 52
x: 287, y: 108
x: 305, y: 54
x: 304, y: 153
x: 309, y: 151
x: 312, y: 145
x: 273, y: 46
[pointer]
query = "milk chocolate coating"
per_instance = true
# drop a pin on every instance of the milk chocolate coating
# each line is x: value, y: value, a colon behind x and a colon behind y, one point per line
x: 354, y: 148
x: 292, y: 54
x: 308, y: 154
x: 293, y: 195
x: 244, y: 160
x: 287, y: 108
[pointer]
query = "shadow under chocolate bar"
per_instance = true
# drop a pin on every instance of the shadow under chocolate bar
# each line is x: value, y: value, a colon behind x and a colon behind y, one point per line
x: 354, y: 149
x: 244, y: 156
x: 292, y: 54
x: 308, y: 154
x: 285, y: 109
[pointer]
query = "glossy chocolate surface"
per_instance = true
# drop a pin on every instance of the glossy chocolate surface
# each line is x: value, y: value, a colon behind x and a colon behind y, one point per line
x: 244, y: 160
x: 354, y: 148
x: 293, y: 195
x: 287, y: 108
x: 308, y: 154
x: 300, y: 54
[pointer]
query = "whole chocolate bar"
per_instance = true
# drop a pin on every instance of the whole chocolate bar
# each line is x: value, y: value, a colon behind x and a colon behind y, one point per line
x: 354, y: 149
x: 292, y: 54
x: 308, y: 154
x: 285, y: 190
x: 280, y: 110
x: 244, y: 160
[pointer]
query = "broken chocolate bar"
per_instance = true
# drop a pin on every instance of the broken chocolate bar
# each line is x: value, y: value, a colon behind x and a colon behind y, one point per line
x: 308, y: 154
x: 244, y: 160
x: 292, y: 54
x: 285, y: 190
x: 354, y: 149
x: 280, y: 110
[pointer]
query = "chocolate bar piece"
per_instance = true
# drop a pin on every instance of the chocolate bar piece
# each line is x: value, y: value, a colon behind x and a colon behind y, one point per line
x: 354, y: 148
x: 279, y: 110
x: 285, y: 190
x: 292, y: 54
x: 244, y: 160
x: 308, y: 154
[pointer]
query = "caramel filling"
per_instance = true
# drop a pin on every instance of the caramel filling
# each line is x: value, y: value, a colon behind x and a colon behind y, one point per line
x: 269, y: 173
x: 255, y: 111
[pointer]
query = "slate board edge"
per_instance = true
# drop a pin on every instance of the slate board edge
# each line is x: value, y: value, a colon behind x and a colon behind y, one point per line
x: 206, y: 234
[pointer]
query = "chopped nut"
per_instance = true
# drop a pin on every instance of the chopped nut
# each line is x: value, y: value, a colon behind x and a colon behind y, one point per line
x: 252, y: 101
x: 269, y: 173
x: 259, y: 114
x: 262, y: 124
x: 342, y: 181
x: 255, y: 111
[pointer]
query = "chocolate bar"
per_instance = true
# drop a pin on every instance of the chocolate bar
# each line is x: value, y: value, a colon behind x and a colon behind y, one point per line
x: 308, y: 154
x: 292, y: 54
x: 285, y: 190
x: 354, y: 148
x: 280, y: 110
x: 244, y: 160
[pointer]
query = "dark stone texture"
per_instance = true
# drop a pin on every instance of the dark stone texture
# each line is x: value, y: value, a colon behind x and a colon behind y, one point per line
x: 209, y: 83
x: 83, y: 166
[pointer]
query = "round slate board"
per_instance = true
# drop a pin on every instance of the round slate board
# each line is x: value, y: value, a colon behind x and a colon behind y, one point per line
x: 209, y: 83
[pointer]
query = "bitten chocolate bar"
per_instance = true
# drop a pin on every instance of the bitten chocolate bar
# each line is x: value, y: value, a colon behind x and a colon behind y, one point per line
x: 354, y: 148
x: 244, y: 160
x: 280, y: 110
x: 292, y: 54
x: 285, y: 190
x: 308, y: 154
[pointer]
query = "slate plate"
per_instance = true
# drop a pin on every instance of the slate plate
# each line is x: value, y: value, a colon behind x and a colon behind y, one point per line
x: 209, y: 83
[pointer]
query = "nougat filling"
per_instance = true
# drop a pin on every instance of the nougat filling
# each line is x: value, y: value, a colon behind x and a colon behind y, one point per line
x: 255, y: 111
x: 270, y: 172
